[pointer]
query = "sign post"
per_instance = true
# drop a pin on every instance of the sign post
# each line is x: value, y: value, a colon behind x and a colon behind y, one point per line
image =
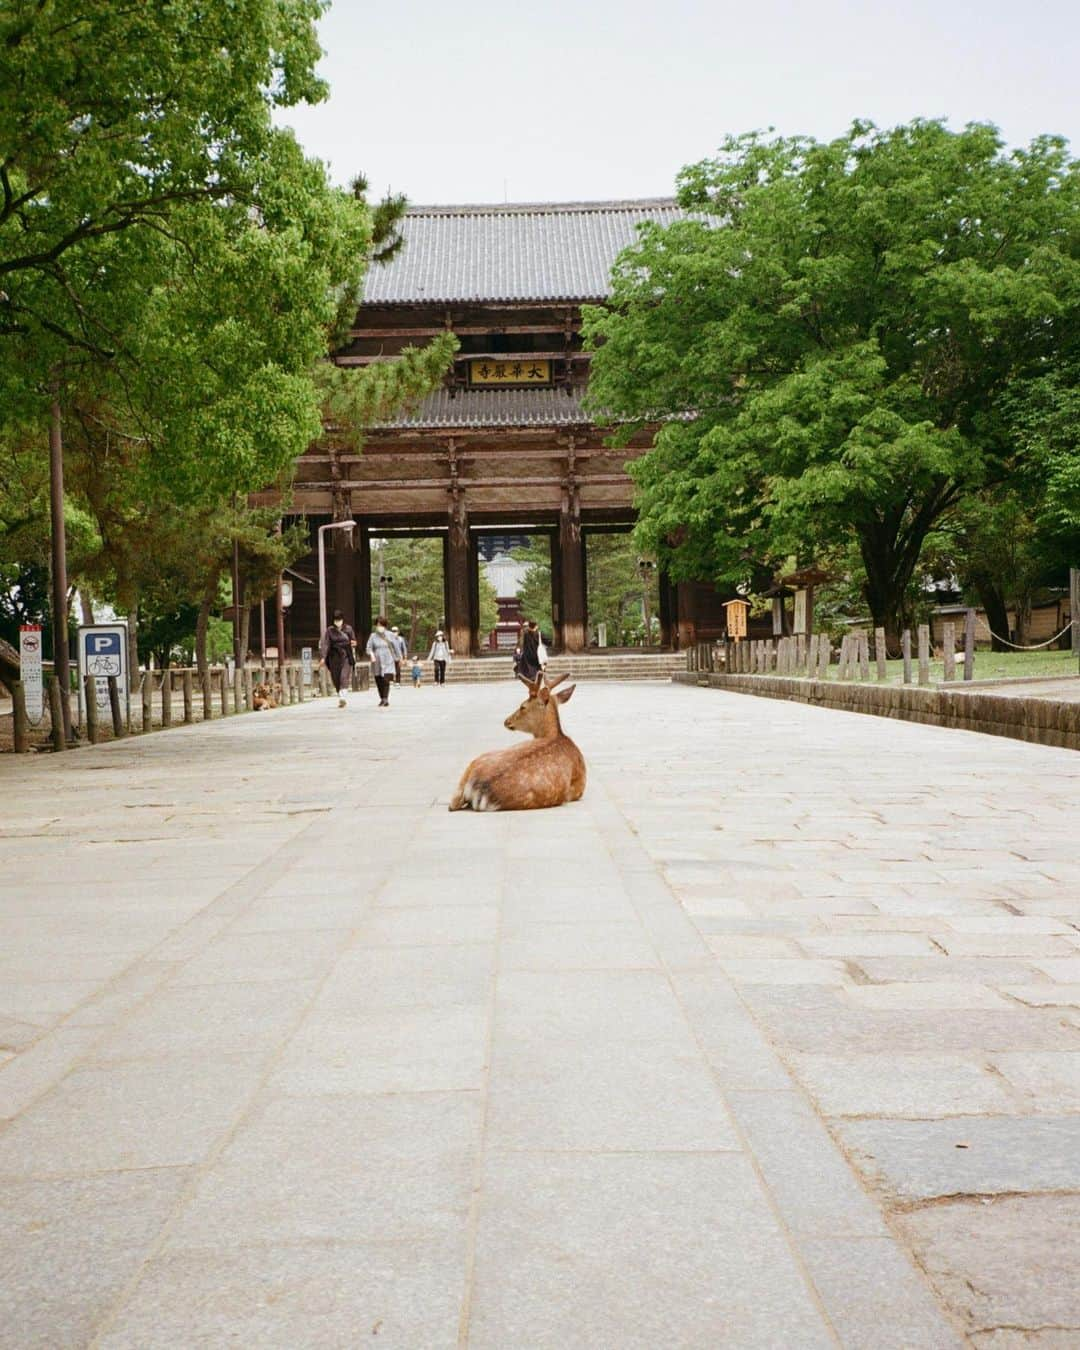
x: 103, y: 651
x: 30, y: 671
x: 305, y: 664
x: 735, y: 612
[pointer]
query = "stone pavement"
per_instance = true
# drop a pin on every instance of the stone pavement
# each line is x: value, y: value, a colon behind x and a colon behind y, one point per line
x: 772, y: 1040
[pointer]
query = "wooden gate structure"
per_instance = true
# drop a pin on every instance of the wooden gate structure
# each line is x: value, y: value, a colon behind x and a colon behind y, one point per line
x: 506, y: 442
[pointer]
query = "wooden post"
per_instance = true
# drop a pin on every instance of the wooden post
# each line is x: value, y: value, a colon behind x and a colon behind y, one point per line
x: 20, y: 721
x: 90, y: 695
x: 147, y: 701
x: 905, y: 647
x: 166, y: 697
x: 238, y: 686
x: 207, y: 695
x: 879, y: 654
x: 948, y: 650
x: 249, y: 688
x: 300, y: 693
x: 824, y: 656
x: 119, y: 730
x: 187, y: 685
x: 224, y: 691
x: 57, y: 699
x: 969, y: 645
x: 863, y: 644
x: 1074, y: 608
x: 812, y: 656
x: 800, y: 654
x: 924, y: 654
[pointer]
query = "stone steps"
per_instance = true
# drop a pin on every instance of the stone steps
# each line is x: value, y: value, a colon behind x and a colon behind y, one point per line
x: 628, y: 666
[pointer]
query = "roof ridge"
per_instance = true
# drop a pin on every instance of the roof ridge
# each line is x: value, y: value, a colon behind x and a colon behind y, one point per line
x: 540, y: 208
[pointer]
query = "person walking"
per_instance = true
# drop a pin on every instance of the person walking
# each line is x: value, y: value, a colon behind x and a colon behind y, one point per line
x: 533, y: 658
x: 439, y: 655
x: 337, y: 652
x: 401, y: 650
x: 382, y: 660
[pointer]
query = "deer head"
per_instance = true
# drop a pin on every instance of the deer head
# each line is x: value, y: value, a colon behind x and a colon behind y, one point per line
x: 539, y: 715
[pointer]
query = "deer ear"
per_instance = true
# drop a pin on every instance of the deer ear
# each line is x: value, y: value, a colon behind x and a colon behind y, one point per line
x: 564, y: 696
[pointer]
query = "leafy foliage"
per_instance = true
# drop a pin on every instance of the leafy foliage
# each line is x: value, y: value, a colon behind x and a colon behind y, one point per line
x: 831, y: 340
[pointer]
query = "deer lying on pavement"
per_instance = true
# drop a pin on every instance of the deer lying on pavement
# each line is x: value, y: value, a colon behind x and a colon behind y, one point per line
x: 548, y: 771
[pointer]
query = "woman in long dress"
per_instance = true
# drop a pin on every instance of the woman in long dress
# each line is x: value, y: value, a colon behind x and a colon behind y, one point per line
x: 337, y: 651
x: 529, y: 662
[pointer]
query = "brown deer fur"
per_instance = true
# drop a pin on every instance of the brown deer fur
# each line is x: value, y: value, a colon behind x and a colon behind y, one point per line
x: 548, y: 771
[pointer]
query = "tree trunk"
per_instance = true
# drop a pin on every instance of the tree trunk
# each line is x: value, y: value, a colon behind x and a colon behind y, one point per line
x: 202, y: 623
x: 997, y: 614
x: 1023, y: 619
x: 86, y: 604
x: 245, y: 632
x: 133, y: 641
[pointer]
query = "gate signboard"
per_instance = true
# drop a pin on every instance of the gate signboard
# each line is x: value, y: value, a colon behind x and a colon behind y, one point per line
x: 305, y: 664
x: 30, y: 671
x: 103, y: 651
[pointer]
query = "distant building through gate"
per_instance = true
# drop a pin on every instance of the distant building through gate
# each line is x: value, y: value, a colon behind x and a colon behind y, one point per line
x: 504, y: 449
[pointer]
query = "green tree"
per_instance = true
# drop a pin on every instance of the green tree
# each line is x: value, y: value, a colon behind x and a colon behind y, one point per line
x: 617, y: 591
x: 829, y: 343
x: 415, y: 597
x: 535, y: 591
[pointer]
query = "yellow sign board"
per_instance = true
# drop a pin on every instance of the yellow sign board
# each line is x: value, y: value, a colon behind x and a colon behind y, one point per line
x: 516, y: 371
x: 735, y: 611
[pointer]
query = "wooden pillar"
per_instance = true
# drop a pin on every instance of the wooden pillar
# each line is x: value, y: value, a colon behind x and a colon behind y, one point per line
x: 667, y: 607
x: 571, y: 596
x: 476, y: 638
x: 362, y: 538
x: 344, y: 591
x: 459, y: 621
x: 686, y: 613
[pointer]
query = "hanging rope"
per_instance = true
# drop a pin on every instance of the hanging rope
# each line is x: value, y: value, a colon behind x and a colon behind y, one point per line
x: 1016, y: 648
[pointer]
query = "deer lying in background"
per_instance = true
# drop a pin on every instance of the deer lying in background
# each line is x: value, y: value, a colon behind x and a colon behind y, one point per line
x: 548, y: 771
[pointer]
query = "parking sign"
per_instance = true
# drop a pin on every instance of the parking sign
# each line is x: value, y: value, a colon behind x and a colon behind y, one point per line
x: 103, y: 652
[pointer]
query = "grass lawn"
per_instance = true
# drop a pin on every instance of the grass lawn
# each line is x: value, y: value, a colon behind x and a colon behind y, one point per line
x: 1047, y: 664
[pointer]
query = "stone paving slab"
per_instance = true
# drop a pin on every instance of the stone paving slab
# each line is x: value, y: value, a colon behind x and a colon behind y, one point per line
x: 305, y: 1059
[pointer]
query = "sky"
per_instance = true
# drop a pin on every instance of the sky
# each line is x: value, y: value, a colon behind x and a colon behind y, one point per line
x: 476, y: 101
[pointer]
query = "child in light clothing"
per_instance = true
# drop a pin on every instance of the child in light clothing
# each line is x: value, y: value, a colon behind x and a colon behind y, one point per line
x: 416, y: 672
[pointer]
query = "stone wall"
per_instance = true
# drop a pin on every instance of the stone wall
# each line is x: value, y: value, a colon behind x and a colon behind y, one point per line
x: 1045, y: 721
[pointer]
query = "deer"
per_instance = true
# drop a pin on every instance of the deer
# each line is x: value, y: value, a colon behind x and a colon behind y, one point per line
x: 549, y: 771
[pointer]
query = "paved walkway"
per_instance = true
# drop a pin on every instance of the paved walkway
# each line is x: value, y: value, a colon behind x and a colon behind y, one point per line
x: 773, y: 1040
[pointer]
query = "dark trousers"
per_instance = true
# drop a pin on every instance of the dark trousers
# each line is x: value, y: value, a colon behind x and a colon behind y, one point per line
x: 382, y: 684
x: 440, y: 672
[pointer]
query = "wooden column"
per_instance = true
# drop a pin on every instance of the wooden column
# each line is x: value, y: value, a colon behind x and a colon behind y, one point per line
x: 362, y: 539
x: 571, y: 593
x: 667, y: 607
x: 459, y: 620
x: 687, y: 613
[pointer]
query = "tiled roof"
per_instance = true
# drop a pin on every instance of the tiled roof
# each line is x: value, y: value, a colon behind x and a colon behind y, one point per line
x: 491, y: 408
x: 457, y: 254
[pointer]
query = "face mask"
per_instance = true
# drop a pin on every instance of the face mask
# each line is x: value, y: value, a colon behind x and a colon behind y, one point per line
x: 339, y: 623
x: 380, y: 628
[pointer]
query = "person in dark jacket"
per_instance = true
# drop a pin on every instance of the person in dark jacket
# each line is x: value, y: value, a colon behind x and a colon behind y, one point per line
x: 337, y: 652
x: 528, y: 665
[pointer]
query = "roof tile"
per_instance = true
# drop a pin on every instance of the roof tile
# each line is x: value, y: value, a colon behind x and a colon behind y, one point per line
x: 457, y: 254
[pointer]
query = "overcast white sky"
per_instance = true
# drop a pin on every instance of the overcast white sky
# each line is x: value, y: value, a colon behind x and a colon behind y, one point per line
x: 571, y: 100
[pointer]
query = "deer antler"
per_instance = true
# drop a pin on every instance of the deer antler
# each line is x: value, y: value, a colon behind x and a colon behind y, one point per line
x: 558, y: 680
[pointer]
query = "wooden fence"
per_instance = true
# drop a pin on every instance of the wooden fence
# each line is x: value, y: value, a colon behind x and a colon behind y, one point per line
x: 815, y: 658
x: 160, y: 699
